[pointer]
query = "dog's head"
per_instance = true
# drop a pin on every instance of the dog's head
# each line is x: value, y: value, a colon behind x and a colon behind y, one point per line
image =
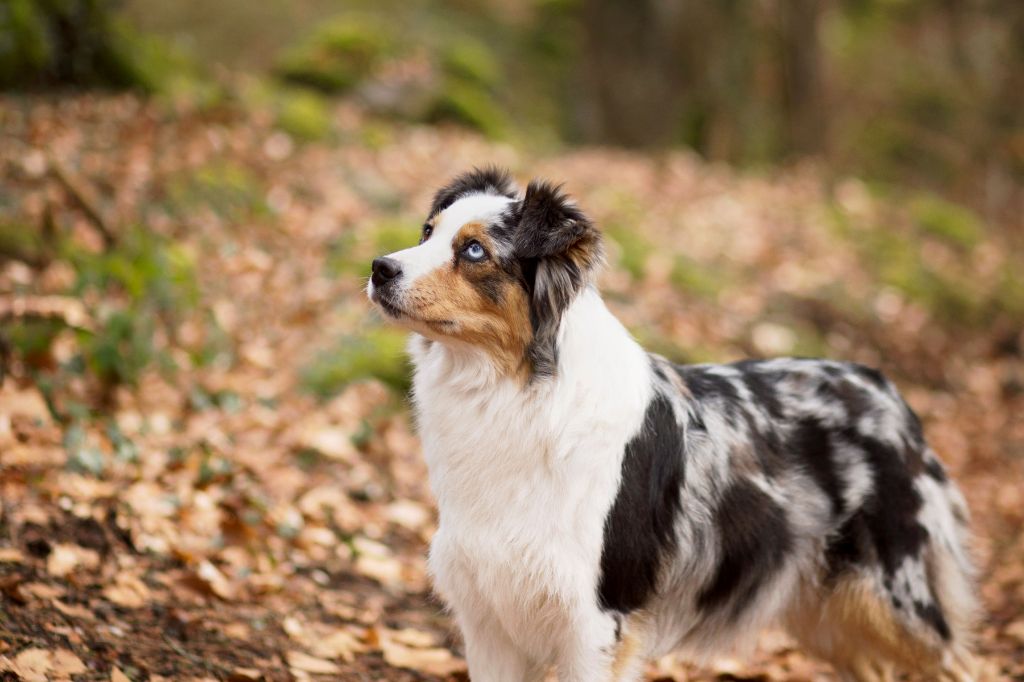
x: 494, y: 270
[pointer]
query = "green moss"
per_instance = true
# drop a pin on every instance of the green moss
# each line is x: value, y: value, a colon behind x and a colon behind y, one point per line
x: 377, y: 353
x: 228, y: 189
x: 696, y: 278
x: 470, y: 105
x: 634, y: 249
x: 896, y: 260
x: 304, y: 115
x: 395, y: 234
x: 352, y: 251
x: 21, y: 242
x: 954, y: 224
x: 339, y: 55
x: 470, y: 61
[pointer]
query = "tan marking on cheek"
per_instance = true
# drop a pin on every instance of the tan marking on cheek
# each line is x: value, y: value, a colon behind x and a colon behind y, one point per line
x: 452, y: 302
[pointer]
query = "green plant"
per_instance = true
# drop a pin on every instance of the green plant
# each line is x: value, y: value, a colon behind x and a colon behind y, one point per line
x: 339, y: 55
x: 377, y: 353
x: 304, y: 115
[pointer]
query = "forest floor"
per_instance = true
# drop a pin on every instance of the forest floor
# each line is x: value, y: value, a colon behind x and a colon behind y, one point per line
x: 250, y: 503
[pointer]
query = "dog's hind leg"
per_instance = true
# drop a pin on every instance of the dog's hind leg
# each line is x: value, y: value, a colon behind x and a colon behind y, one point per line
x: 853, y: 626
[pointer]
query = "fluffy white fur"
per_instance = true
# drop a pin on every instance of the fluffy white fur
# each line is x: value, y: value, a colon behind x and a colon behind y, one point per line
x: 524, y: 480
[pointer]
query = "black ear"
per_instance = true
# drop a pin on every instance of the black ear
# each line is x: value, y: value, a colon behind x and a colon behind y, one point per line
x: 559, y: 248
x: 488, y: 180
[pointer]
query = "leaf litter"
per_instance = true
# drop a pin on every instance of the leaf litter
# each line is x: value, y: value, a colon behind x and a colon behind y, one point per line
x: 223, y: 521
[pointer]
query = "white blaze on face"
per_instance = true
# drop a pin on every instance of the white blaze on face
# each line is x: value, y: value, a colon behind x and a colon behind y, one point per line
x: 436, y: 252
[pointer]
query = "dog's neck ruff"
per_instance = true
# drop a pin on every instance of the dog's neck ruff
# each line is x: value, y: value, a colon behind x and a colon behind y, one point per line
x: 464, y: 404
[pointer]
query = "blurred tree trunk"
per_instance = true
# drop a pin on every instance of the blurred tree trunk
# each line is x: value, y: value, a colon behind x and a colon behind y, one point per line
x: 46, y: 43
x: 804, y: 122
x: 636, y: 71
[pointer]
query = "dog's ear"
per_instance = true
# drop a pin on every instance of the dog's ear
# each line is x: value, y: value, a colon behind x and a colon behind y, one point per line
x: 558, y: 248
x: 488, y: 180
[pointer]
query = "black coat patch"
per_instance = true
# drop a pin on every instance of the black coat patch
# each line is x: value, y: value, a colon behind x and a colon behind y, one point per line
x: 755, y: 537
x: 639, y: 531
x: 890, y: 514
x: 812, y: 444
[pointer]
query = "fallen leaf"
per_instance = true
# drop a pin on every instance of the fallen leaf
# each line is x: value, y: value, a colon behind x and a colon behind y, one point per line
x: 310, y: 664
x: 217, y: 582
x: 67, y: 664
x: 435, y: 661
x: 11, y: 555
x: 128, y: 591
x: 73, y: 610
x: 33, y: 664
x: 117, y: 676
x: 65, y: 558
x: 338, y: 644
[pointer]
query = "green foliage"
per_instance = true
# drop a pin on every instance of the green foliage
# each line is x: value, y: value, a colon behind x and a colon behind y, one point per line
x: 633, y: 249
x: 470, y: 61
x: 230, y: 190
x: 19, y: 241
x: 470, y: 75
x: 352, y: 251
x: 468, y: 105
x: 146, y: 281
x: 338, y: 55
x: 697, y: 279
x: 378, y: 353
x: 135, y: 294
x: 953, y: 224
x: 304, y: 115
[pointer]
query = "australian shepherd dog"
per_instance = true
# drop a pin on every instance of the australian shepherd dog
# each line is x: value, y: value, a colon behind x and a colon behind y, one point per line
x: 600, y: 505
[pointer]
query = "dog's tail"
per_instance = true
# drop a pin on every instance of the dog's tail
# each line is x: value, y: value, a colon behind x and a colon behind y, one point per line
x: 951, y: 568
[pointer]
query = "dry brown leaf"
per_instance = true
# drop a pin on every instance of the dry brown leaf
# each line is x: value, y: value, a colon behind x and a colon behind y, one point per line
x: 65, y: 663
x: 338, y: 644
x: 435, y: 661
x: 217, y: 582
x: 117, y: 676
x: 41, y: 590
x: 66, y: 557
x: 33, y: 664
x: 128, y: 591
x: 412, y: 637
x: 11, y: 555
x: 310, y: 664
x: 73, y: 610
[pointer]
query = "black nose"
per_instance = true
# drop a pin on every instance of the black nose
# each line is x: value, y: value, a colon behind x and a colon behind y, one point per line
x: 385, y: 270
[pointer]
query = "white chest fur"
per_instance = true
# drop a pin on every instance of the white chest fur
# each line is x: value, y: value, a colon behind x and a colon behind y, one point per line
x: 524, y: 476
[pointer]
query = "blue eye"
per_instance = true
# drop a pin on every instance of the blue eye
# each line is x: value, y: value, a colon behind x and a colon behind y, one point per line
x: 474, y: 252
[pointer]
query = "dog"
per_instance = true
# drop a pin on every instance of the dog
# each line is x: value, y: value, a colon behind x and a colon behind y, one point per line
x: 600, y: 506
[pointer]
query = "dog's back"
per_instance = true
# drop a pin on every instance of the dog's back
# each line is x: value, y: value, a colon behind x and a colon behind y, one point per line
x: 810, y: 496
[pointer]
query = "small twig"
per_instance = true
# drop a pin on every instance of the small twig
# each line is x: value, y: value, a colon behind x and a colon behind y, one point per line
x: 25, y: 638
x: 80, y: 196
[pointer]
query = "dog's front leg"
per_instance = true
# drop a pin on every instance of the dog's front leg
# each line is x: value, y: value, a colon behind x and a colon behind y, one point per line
x: 492, y: 656
x: 596, y: 651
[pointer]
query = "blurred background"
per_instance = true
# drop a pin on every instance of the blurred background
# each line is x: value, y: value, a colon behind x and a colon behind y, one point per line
x: 203, y: 428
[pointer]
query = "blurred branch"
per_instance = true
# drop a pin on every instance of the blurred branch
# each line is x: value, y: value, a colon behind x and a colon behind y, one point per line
x: 82, y: 198
x: 64, y: 309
